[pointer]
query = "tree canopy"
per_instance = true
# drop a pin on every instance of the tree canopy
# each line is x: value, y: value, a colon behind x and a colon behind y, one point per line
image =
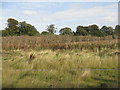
x: 66, y: 31
x: 51, y: 29
x: 16, y: 28
x: 81, y: 31
x: 44, y: 33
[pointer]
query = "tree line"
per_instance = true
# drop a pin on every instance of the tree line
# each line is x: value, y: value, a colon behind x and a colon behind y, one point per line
x: 16, y: 28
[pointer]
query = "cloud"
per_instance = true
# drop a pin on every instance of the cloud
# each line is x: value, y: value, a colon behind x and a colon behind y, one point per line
x: 28, y: 12
x: 2, y: 22
x: 109, y: 19
x: 85, y: 13
x: 106, y: 13
x: 72, y: 16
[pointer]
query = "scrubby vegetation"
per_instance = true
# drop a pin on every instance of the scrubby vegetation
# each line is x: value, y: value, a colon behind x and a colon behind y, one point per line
x: 59, y: 42
x: 87, y: 58
x: 60, y: 62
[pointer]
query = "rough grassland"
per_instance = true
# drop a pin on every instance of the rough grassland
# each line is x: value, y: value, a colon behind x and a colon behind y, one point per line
x: 60, y: 68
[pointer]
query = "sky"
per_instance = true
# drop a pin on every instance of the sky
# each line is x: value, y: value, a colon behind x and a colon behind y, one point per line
x: 62, y: 14
x: 60, y: 0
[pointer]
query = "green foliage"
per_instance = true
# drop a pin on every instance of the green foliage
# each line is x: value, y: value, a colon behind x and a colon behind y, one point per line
x: 94, y: 30
x: 110, y: 31
x: 27, y: 29
x: 107, y: 30
x: 51, y: 29
x: 66, y: 31
x: 12, y: 23
x: 81, y: 31
x: 97, y: 33
x: 44, y: 33
x: 104, y: 28
x: 15, y: 28
x: 12, y: 27
x: 93, y: 27
x: 4, y: 33
x: 117, y: 30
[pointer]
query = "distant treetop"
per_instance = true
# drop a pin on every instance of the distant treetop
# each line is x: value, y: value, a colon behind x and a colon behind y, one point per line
x: 16, y: 28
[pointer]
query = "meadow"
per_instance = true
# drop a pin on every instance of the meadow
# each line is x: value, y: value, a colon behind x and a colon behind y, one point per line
x: 60, y: 62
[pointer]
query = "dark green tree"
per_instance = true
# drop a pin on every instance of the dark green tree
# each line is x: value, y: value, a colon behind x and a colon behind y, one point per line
x: 104, y: 28
x: 107, y: 30
x: 45, y: 33
x: 27, y: 29
x: 15, y: 28
x: 51, y: 29
x: 12, y: 26
x: 93, y: 27
x: 4, y: 33
x: 87, y: 29
x: 81, y: 31
x: 110, y: 31
x: 117, y: 29
x: 66, y: 31
x: 95, y: 31
x: 12, y: 23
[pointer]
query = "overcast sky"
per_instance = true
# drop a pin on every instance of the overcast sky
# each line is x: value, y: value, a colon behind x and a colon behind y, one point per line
x: 62, y: 14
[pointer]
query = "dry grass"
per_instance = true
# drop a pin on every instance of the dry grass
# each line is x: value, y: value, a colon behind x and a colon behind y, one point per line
x: 59, y: 42
x: 60, y: 68
x: 60, y: 61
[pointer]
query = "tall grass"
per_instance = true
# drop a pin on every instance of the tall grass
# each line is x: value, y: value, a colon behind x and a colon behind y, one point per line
x: 60, y: 61
x: 59, y: 42
x: 60, y: 69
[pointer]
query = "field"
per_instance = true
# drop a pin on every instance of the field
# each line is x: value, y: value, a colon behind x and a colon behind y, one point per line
x: 60, y: 62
